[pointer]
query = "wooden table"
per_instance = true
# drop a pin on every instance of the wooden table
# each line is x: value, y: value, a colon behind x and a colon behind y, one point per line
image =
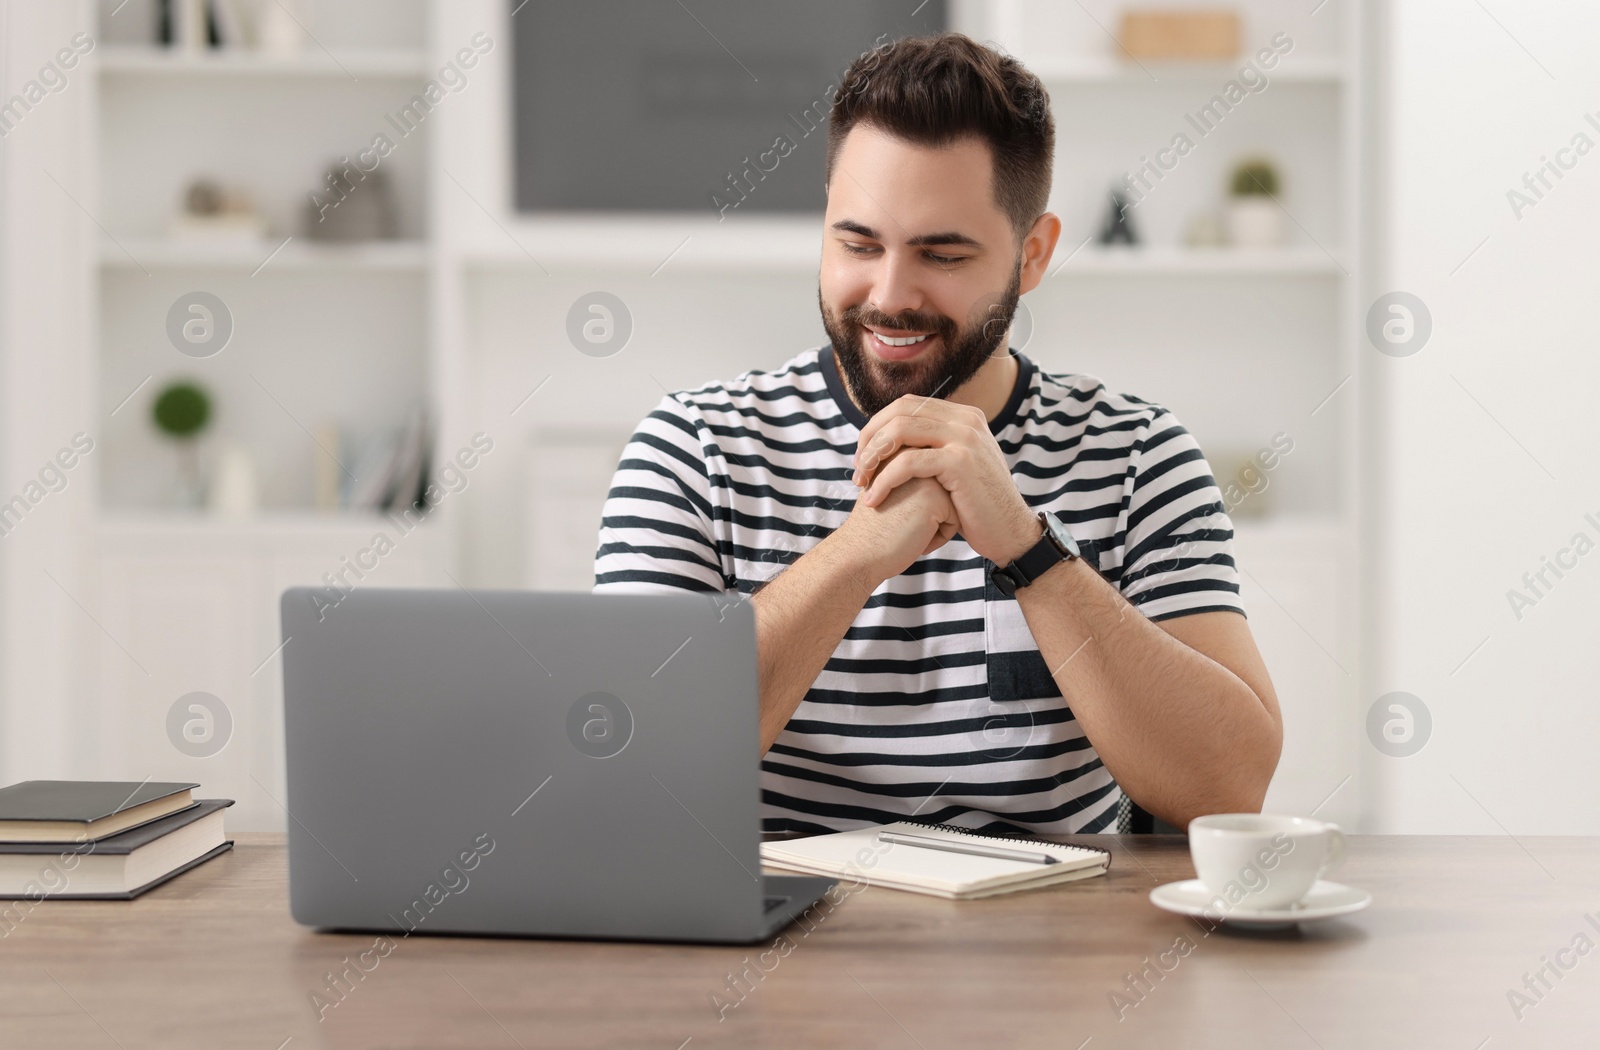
x: 213, y: 959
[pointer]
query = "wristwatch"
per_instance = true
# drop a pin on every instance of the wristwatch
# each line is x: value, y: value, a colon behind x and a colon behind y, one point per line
x: 1056, y: 545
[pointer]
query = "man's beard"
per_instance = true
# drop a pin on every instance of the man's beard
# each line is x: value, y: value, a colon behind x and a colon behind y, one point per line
x: 876, y: 384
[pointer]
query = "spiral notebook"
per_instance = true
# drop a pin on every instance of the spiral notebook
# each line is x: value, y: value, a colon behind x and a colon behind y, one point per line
x: 859, y: 856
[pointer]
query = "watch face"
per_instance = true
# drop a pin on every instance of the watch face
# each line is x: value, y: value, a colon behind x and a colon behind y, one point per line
x: 1058, y: 532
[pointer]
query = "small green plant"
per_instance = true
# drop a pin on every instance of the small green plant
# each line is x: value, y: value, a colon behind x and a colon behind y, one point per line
x: 1255, y: 178
x: 182, y: 411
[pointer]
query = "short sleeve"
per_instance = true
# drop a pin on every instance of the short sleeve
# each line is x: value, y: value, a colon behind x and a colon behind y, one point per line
x: 1178, y: 551
x: 656, y: 532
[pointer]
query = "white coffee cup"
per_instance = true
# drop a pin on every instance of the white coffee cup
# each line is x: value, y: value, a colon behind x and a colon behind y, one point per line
x: 1256, y: 861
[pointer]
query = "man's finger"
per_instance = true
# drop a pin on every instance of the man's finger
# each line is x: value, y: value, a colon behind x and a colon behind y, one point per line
x: 912, y: 463
x: 900, y: 432
x: 946, y: 532
x: 909, y: 406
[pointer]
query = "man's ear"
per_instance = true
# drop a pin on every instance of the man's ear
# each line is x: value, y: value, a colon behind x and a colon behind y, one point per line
x: 1037, y: 247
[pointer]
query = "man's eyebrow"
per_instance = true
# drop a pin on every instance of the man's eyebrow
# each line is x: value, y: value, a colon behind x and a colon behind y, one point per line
x: 949, y: 237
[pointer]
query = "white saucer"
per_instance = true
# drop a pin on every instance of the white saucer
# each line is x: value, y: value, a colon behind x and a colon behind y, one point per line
x: 1324, y: 900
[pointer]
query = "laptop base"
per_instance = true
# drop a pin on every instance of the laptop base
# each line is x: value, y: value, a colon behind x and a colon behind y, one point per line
x: 802, y: 892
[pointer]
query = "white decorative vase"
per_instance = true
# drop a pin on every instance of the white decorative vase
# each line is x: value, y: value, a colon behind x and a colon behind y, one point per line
x: 281, y: 27
x: 1254, y: 221
x: 190, y: 26
x: 233, y: 484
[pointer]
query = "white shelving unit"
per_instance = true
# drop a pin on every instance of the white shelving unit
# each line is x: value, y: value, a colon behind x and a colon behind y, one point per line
x: 400, y: 63
x: 325, y: 333
x: 1282, y: 326
x: 1242, y: 345
x: 468, y: 310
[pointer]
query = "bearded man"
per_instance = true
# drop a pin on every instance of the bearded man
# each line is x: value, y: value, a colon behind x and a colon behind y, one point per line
x: 984, y: 594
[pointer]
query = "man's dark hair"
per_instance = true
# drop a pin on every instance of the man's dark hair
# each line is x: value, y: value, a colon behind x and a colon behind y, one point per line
x: 933, y: 90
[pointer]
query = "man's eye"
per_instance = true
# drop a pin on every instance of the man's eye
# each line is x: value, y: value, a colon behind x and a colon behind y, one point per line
x: 872, y: 249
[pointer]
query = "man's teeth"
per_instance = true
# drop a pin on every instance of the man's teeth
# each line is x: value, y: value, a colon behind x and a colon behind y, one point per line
x: 907, y: 341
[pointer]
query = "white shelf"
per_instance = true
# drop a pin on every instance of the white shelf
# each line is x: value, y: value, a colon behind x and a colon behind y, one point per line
x: 1172, y: 261
x: 285, y: 524
x: 621, y: 242
x: 224, y: 63
x: 250, y: 256
x: 648, y: 243
x: 1097, y: 71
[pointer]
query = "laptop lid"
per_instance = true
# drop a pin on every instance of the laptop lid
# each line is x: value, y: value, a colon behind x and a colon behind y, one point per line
x: 510, y: 762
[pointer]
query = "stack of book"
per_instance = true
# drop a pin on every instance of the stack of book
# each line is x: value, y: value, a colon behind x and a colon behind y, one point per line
x: 396, y: 466
x: 102, y: 839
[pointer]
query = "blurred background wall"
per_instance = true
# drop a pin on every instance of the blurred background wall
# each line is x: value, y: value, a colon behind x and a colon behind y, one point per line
x: 260, y: 261
x: 1490, y: 202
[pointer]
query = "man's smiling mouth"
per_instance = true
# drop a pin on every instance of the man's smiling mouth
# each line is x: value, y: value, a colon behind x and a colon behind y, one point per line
x: 909, y: 340
x: 897, y: 344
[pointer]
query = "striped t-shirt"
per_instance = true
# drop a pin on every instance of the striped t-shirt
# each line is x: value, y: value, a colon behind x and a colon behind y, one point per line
x: 937, y: 701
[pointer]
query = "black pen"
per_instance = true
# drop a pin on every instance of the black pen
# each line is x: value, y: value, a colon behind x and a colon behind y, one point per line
x: 973, y: 848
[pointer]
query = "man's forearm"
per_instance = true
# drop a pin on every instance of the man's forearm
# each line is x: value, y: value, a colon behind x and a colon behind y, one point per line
x: 800, y: 618
x: 1180, y: 732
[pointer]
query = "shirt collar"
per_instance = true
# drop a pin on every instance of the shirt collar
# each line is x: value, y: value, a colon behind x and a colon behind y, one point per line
x: 847, y: 407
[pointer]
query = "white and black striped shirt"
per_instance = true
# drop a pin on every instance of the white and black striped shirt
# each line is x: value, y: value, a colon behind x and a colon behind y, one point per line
x: 937, y: 701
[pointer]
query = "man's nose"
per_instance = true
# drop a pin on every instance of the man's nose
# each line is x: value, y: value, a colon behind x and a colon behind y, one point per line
x: 896, y: 289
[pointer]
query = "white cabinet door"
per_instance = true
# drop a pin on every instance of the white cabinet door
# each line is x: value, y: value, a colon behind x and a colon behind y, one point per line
x: 194, y: 609
x: 415, y: 561
x: 188, y: 626
x: 1294, y: 582
x: 568, y: 480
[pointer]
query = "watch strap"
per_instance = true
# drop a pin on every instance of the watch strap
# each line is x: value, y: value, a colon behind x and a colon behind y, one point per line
x: 1034, y: 562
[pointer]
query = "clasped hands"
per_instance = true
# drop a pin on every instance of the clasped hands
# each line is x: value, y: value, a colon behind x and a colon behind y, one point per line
x: 929, y: 469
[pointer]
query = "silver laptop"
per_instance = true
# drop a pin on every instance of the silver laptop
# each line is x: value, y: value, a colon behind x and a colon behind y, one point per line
x: 505, y: 762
